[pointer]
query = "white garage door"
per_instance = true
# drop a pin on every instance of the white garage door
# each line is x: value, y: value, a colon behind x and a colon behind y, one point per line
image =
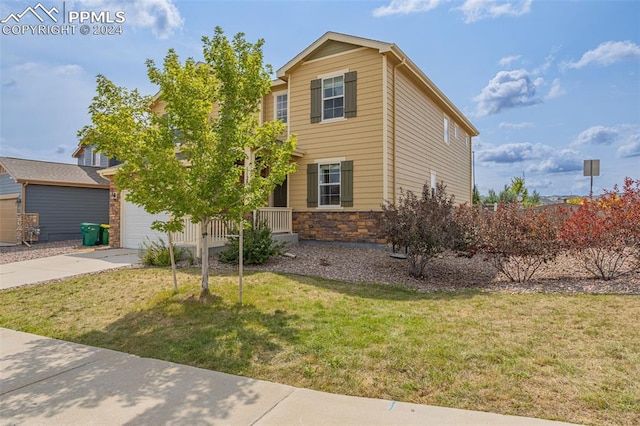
x: 136, y: 225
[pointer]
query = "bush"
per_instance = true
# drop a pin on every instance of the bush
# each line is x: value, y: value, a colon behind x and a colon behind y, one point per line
x: 517, y: 241
x: 258, y: 246
x: 423, y: 226
x: 605, y: 233
x: 156, y: 253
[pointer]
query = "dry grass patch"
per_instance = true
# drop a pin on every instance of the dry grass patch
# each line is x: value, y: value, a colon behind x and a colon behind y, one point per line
x: 565, y: 357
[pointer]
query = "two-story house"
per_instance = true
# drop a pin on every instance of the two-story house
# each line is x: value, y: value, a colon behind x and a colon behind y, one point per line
x: 369, y: 123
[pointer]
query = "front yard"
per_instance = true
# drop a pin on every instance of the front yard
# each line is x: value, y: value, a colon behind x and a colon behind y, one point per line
x: 567, y: 357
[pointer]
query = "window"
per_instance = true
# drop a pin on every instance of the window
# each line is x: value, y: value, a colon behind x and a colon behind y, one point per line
x: 281, y: 107
x: 95, y: 158
x: 329, y: 181
x: 434, y: 183
x: 446, y: 130
x: 333, y: 97
x: 455, y: 131
x: 466, y: 141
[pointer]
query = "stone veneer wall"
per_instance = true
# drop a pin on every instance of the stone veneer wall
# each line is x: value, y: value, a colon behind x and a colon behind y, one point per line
x: 114, y: 215
x: 355, y: 227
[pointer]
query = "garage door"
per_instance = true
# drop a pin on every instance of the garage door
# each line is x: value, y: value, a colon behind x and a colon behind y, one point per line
x: 136, y: 225
x: 8, y: 218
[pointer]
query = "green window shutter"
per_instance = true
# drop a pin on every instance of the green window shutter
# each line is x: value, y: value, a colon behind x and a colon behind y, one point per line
x: 312, y: 185
x: 350, y: 98
x: 316, y: 101
x: 346, y: 184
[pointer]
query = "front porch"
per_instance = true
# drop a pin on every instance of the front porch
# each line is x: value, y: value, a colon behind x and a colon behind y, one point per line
x: 279, y: 220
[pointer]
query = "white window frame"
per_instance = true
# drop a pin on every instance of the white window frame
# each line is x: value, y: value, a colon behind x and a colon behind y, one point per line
x: 455, y: 131
x: 96, y: 158
x: 446, y: 124
x: 330, y: 184
x: 275, y: 105
x: 322, y: 97
x: 325, y: 162
x: 434, y: 183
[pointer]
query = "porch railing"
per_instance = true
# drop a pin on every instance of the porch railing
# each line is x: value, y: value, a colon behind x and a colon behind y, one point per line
x: 279, y: 220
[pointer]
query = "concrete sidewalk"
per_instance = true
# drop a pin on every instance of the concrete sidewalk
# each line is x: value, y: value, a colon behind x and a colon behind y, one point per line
x: 64, y: 266
x: 47, y: 381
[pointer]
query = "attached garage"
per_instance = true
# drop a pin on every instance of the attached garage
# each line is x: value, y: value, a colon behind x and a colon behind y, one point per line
x: 136, y: 225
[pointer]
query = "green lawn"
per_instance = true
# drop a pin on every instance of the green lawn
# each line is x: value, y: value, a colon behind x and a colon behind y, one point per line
x: 566, y: 357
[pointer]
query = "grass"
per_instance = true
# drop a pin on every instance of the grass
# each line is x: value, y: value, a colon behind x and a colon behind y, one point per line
x: 565, y: 357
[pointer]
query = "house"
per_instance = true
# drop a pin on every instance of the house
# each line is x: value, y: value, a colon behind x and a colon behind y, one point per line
x: 88, y: 156
x: 369, y: 123
x: 53, y: 198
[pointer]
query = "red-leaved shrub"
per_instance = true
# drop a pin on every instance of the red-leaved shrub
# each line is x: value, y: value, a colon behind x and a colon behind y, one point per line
x: 605, y: 233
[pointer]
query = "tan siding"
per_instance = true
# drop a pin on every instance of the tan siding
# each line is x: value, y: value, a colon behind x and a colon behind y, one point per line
x: 331, y: 48
x: 358, y: 138
x: 421, y: 147
x: 268, y: 103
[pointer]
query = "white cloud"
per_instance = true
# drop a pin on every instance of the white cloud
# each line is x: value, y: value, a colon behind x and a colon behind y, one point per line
x: 473, y: 10
x: 514, y: 152
x: 632, y: 149
x: 508, y: 60
x: 162, y: 17
x: 404, y: 7
x: 517, y: 126
x: 508, y: 89
x: 597, y: 135
x: 608, y: 53
x: 556, y: 90
x: 476, y: 10
x: 562, y: 161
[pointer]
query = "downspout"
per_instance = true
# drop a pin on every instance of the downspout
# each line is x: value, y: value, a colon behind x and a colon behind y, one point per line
x: 24, y: 210
x: 393, y: 127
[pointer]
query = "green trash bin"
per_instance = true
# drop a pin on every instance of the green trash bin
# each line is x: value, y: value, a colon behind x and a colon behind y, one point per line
x: 90, y: 233
x: 104, y: 234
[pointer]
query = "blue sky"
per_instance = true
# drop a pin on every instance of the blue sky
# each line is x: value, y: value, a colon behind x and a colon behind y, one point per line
x: 547, y: 83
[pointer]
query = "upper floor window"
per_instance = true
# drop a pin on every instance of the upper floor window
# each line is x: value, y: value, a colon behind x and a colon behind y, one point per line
x: 281, y: 107
x: 333, y: 97
x: 95, y: 158
x: 446, y: 129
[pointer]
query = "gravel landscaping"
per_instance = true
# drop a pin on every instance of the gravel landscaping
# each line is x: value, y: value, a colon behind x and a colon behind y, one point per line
x: 360, y: 264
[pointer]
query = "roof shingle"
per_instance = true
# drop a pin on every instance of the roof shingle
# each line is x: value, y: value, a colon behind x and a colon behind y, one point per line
x: 45, y: 172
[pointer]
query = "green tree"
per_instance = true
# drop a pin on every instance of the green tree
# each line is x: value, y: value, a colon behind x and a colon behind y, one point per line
x: 187, y: 161
x: 475, y: 197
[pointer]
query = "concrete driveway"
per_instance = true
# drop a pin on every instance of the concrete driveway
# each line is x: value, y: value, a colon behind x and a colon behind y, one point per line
x: 64, y: 266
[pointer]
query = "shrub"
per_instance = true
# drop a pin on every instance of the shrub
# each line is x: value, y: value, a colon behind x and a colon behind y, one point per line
x: 605, y: 233
x: 156, y: 253
x: 258, y: 246
x: 518, y: 241
x: 423, y: 226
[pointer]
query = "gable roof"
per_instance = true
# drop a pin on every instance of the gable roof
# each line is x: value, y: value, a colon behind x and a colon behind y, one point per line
x: 48, y: 173
x: 386, y: 49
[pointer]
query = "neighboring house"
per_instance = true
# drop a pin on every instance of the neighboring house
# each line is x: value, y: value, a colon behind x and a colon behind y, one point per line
x: 52, y: 197
x: 88, y: 156
x: 369, y: 123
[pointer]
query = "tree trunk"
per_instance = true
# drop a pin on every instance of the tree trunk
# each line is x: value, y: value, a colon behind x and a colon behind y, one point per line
x: 173, y: 263
x: 204, y: 225
x: 240, y: 260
